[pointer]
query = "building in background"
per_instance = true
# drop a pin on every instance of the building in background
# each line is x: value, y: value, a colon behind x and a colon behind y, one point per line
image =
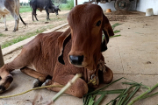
x: 141, y: 6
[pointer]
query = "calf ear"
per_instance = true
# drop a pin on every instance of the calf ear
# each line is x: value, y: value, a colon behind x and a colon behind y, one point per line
x: 108, y: 31
x: 62, y: 40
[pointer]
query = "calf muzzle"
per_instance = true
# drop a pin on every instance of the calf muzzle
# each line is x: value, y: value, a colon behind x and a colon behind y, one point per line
x: 76, y: 60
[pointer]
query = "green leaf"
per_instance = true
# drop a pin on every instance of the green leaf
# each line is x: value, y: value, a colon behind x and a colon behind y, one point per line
x: 116, y: 31
x: 91, y: 100
x: 114, y: 25
x: 118, y: 91
x: 149, y: 95
x: 114, y: 102
x: 104, y: 87
x: 100, y: 99
x: 115, y: 36
x: 132, y: 94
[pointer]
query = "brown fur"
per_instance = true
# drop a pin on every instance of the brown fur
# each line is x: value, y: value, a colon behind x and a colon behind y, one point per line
x: 83, y: 37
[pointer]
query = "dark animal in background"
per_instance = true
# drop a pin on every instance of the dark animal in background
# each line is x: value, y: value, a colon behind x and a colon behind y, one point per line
x: 46, y: 5
x: 61, y: 55
x: 10, y: 7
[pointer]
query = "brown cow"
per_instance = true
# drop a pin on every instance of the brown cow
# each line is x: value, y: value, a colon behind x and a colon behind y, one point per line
x: 61, y: 55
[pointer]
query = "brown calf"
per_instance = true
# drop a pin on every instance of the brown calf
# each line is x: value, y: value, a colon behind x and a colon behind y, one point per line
x: 61, y: 55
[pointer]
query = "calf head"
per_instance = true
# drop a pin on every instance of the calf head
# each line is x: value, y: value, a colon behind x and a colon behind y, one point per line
x: 87, y: 22
x: 54, y: 9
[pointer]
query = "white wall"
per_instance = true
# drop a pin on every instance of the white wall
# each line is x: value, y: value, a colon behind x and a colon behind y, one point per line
x: 80, y: 1
x: 141, y: 6
x: 103, y: 5
x: 24, y: 1
x: 144, y: 4
x: 108, y: 5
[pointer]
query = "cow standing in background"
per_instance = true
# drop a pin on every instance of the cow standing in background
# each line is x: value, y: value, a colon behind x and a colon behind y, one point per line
x: 43, y: 5
x: 12, y: 7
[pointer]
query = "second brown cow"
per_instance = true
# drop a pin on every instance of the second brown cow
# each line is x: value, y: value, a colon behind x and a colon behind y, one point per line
x: 61, y: 55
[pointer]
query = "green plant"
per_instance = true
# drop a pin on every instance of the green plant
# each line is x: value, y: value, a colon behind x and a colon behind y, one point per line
x: 20, y: 38
x: 1, y: 34
x: 116, y: 31
x: 124, y: 95
x: 115, y: 36
x: 116, y: 24
x: 28, y: 35
x: 25, y: 9
x: 70, y: 4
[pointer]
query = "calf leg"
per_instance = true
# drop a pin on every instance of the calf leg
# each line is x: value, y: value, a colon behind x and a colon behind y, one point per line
x: 5, y: 76
x: 40, y: 78
x: 4, y: 19
x: 22, y: 60
x: 105, y: 76
x: 79, y: 88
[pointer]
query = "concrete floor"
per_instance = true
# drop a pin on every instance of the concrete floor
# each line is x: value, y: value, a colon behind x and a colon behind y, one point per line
x: 133, y: 55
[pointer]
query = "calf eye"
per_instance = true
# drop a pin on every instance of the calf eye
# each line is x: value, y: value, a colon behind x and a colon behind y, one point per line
x: 98, y: 23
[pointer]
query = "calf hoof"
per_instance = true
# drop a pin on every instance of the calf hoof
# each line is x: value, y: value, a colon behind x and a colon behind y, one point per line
x: 6, y: 29
x: 2, y: 89
x: 5, y: 83
x: 106, y: 76
x: 47, y: 82
x: 37, y: 83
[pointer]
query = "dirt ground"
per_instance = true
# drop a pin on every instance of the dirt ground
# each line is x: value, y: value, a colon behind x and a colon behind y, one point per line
x: 133, y: 55
x: 31, y: 26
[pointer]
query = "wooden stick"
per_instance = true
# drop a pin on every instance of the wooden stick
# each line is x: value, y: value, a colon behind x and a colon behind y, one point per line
x: 1, y: 58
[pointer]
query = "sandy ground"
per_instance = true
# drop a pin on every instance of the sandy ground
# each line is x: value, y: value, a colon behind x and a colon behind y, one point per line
x: 31, y: 26
x: 133, y: 55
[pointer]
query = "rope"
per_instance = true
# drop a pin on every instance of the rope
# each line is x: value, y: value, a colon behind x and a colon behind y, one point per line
x: 50, y: 86
x: 30, y: 90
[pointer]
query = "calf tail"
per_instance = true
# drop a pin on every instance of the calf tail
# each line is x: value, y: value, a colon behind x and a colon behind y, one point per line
x: 22, y: 20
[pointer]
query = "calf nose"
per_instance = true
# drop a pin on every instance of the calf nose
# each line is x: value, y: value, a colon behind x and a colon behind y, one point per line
x: 76, y: 60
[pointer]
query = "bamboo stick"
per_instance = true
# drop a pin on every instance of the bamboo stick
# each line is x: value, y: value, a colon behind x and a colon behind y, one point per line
x: 1, y: 58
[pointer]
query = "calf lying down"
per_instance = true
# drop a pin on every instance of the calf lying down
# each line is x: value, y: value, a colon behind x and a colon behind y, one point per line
x: 61, y: 55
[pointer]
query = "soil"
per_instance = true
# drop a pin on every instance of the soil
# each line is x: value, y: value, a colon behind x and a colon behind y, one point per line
x: 31, y: 26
